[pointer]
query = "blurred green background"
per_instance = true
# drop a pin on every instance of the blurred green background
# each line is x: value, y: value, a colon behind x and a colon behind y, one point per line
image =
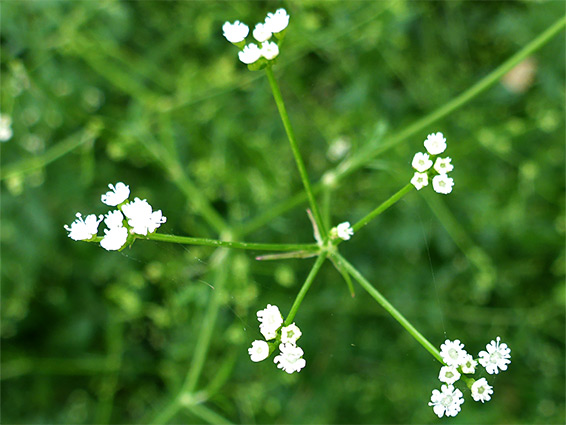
x: 151, y: 94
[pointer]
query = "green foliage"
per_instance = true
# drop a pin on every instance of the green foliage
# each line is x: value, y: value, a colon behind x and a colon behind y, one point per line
x: 150, y: 93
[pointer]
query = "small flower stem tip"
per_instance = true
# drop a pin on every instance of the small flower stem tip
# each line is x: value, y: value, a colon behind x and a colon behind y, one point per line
x: 294, y: 147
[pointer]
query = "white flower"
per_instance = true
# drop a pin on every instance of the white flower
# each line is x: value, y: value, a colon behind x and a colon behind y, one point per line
x: 258, y: 351
x: 448, y: 374
x: 290, y: 359
x: 250, y: 54
x: 269, y: 50
x: 344, y: 231
x: 114, y: 219
x: 114, y: 238
x: 278, y: 21
x: 81, y: 230
x: 421, y: 162
x: 235, y: 32
x: 481, y: 390
x: 443, y: 165
x: 271, y: 320
x: 262, y: 33
x: 420, y: 180
x: 141, y: 218
x: 290, y: 334
x: 116, y: 195
x: 6, y: 132
x: 442, y: 184
x: 447, y: 401
x: 469, y: 364
x: 435, y: 143
x: 453, y: 353
x: 496, y: 357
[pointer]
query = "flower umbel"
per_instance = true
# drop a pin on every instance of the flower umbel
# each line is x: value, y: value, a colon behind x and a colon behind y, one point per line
x: 481, y: 390
x: 290, y: 334
x: 496, y: 357
x: 258, y: 351
x: 453, y: 353
x: 236, y: 32
x: 447, y: 401
x: 116, y: 195
x: 82, y: 230
x: 291, y: 358
x: 141, y: 217
x: 271, y: 320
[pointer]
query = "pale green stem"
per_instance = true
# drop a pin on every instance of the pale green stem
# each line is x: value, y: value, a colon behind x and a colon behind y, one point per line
x: 417, y: 126
x: 375, y: 294
x: 207, y: 414
x: 305, y: 288
x: 384, y: 205
x: 294, y: 147
x: 186, y: 240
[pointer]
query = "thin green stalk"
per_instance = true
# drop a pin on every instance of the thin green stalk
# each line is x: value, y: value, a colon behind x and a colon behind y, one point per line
x: 375, y: 294
x: 305, y: 288
x: 203, y: 341
x: 384, y: 205
x: 230, y: 244
x: 416, y: 127
x: 294, y: 147
x: 208, y: 415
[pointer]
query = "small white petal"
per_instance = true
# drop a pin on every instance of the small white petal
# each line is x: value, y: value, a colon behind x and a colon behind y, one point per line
x: 481, y: 390
x: 443, y: 165
x: 435, y: 143
x: 271, y: 320
x: 448, y: 374
x: 116, y: 195
x: 290, y: 334
x: 447, y: 401
x: 114, y: 219
x: 81, y: 230
x: 419, y: 180
x: 114, y: 238
x: 442, y: 184
x: 278, y: 21
x: 421, y: 162
x: 141, y: 217
x: 453, y: 353
x: 344, y: 231
x: 290, y: 359
x: 261, y: 33
x: 496, y: 358
x: 269, y: 50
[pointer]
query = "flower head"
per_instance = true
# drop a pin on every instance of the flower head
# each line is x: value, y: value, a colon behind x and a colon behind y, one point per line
x: 271, y: 320
x: 421, y: 162
x: 481, y: 390
x: 141, y: 217
x: 420, y: 180
x: 269, y: 50
x: 114, y: 238
x: 453, y: 353
x: 469, y: 364
x: 435, y: 143
x: 81, y: 230
x: 442, y: 184
x: 262, y: 33
x: 344, y: 231
x: 116, y: 195
x: 114, y: 219
x: 278, y: 21
x: 447, y: 401
x: 6, y: 132
x: 443, y: 165
x: 258, y: 351
x: 496, y: 357
x: 290, y: 334
x: 291, y: 358
x: 236, y: 32
x: 448, y: 374
x: 250, y: 54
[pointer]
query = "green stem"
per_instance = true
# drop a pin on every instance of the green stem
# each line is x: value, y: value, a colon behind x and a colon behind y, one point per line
x: 294, y: 147
x: 416, y: 127
x: 386, y: 204
x: 230, y: 244
x: 305, y: 288
x: 375, y: 294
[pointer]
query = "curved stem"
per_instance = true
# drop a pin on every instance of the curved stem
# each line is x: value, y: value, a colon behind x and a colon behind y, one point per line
x: 305, y: 288
x: 229, y: 244
x: 375, y: 294
x: 294, y: 147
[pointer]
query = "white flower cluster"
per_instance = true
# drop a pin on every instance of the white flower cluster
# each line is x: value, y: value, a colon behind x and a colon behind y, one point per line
x: 290, y: 358
x: 274, y: 24
x: 435, y: 144
x: 343, y: 231
x: 448, y: 400
x: 5, y: 128
x: 135, y: 217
